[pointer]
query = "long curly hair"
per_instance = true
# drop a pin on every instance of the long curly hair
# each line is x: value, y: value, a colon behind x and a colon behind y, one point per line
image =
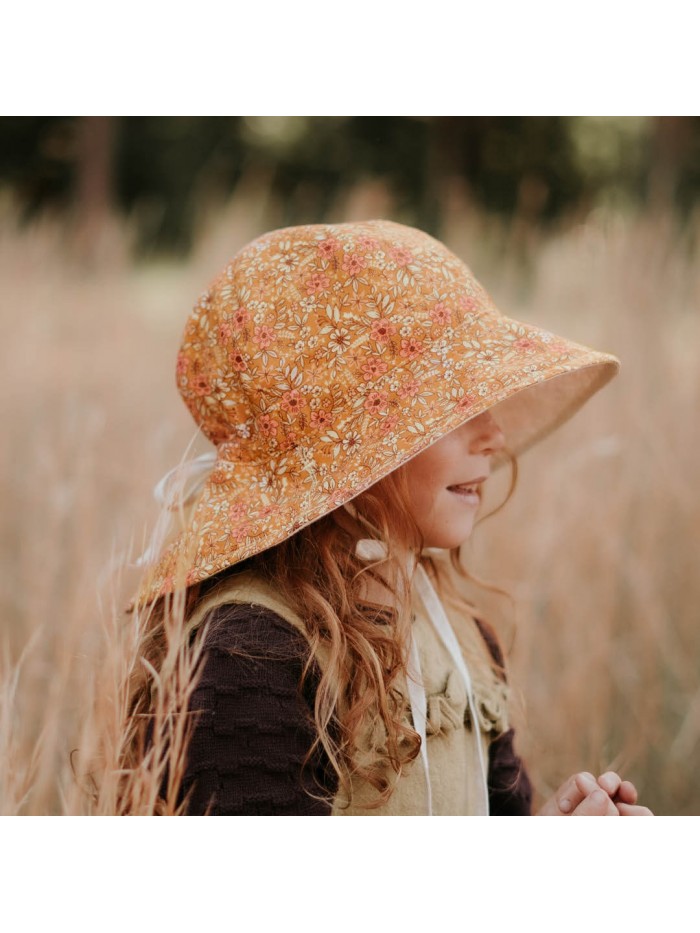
x: 318, y: 575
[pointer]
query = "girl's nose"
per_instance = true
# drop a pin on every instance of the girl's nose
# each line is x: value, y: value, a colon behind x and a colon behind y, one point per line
x: 489, y: 438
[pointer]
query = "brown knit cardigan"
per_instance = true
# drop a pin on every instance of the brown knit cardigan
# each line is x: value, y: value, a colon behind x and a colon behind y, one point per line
x: 255, y: 726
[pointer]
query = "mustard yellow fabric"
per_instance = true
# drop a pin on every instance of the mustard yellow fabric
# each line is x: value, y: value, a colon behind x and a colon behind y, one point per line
x: 452, y: 750
x: 324, y: 357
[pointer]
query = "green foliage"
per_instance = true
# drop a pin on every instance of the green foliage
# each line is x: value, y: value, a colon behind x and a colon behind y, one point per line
x: 166, y: 172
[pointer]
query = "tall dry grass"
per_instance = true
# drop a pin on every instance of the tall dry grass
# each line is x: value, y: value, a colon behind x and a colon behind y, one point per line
x: 598, y: 546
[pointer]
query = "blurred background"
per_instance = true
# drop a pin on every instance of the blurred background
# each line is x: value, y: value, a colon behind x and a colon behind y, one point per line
x: 111, y: 227
x: 167, y: 176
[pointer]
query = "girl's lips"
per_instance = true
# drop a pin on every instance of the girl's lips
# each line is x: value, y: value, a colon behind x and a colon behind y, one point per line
x: 471, y: 482
x: 469, y: 492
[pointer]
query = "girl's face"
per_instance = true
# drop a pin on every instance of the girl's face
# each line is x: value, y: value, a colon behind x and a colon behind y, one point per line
x: 445, y: 515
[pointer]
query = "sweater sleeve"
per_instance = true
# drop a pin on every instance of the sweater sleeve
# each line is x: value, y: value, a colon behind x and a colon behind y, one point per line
x: 254, y: 727
x: 510, y: 791
x: 254, y: 724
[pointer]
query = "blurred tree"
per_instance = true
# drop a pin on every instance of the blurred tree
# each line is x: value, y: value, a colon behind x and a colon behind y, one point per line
x: 167, y: 172
x: 36, y: 158
x: 94, y: 187
x: 510, y: 163
x: 674, y: 155
x: 611, y: 155
x: 168, y: 169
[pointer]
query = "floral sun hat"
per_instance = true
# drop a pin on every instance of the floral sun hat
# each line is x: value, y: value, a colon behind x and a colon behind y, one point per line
x: 324, y: 357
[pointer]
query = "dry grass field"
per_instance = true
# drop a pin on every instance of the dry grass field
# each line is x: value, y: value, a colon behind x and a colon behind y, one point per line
x: 598, y: 546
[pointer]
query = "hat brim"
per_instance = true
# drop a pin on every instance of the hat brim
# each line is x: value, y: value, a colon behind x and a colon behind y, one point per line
x: 237, y: 516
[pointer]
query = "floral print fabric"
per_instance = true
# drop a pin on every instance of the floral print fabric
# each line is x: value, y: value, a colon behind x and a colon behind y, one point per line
x: 325, y: 356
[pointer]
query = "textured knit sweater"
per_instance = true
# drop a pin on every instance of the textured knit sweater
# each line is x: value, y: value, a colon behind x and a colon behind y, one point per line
x: 254, y: 726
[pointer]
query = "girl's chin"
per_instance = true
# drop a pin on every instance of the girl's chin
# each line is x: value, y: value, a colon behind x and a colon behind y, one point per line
x: 447, y: 543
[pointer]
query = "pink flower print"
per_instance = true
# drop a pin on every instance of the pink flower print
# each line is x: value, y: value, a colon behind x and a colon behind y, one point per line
x: 353, y: 263
x: 441, y: 314
x: 411, y: 348
x: 338, y: 496
x: 264, y: 336
x: 558, y: 346
x: 240, y: 317
x: 526, y: 343
x: 409, y: 389
x: 466, y: 402
x: 293, y: 401
x: 200, y: 385
x: 367, y: 242
x: 224, y: 333
x: 267, y: 510
x: 321, y: 419
x: 382, y: 330
x: 289, y: 442
x: 389, y: 424
x: 237, y: 511
x: 375, y: 401
x: 374, y: 368
x: 469, y: 303
x: 318, y: 282
x: 401, y: 256
x: 238, y: 361
x: 182, y: 364
x: 267, y: 425
x: 328, y: 246
x: 238, y: 519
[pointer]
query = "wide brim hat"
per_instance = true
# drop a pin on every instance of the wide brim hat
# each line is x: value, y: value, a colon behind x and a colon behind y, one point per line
x: 323, y: 358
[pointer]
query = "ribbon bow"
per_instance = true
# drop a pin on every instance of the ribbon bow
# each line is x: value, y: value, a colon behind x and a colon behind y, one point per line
x: 376, y: 549
x: 177, y: 489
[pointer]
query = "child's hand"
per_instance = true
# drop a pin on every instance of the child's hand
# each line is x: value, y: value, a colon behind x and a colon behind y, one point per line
x: 623, y: 794
x: 582, y: 795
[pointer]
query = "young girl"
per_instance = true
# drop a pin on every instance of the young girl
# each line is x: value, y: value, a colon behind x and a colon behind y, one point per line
x: 359, y: 387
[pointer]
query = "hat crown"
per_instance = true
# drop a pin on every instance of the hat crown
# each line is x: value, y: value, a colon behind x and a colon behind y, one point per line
x: 325, y: 356
x: 310, y: 327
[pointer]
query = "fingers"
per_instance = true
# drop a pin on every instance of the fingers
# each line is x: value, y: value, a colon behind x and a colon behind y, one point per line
x: 569, y: 795
x: 626, y: 809
x: 573, y: 791
x: 597, y: 803
x: 627, y: 793
x: 586, y: 783
x: 584, y: 795
x: 611, y: 782
x: 620, y: 791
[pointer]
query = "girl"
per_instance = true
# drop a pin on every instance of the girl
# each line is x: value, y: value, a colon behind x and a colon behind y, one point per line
x: 359, y: 387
